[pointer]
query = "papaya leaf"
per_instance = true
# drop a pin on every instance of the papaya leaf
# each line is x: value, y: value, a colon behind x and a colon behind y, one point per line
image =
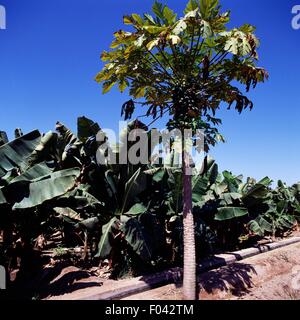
x: 191, y: 6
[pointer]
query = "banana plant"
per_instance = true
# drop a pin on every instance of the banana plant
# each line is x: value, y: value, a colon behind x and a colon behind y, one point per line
x: 126, y: 204
x: 39, y: 172
x: 53, y: 182
x: 3, y: 138
x: 273, y: 211
x: 14, y: 155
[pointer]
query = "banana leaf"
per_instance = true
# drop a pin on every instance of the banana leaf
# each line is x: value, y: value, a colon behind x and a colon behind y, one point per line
x: 37, y: 171
x: 228, y: 199
x: 257, y: 193
x: 133, y: 187
x: 2, y: 198
x: 69, y: 145
x: 204, y: 180
x: 200, y: 184
x: 86, y: 128
x: 145, y: 234
x: 80, y: 199
x: 15, y: 154
x: 59, y: 174
x: 68, y: 214
x: 109, y: 232
x: 45, y: 149
x: 136, y: 209
x: 89, y: 224
x: 228, y: 213
x: 260, y: 225
x: 232, y: 181
x: 47, y: 188
x: 213, y: 173
x: 286, y: 221
x: 138, y: 239
x: 8, y: 177
x: 3, y: 138
x: 175, y: 184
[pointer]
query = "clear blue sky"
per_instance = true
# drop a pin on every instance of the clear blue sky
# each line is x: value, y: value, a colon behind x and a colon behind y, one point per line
x: 50, y: 52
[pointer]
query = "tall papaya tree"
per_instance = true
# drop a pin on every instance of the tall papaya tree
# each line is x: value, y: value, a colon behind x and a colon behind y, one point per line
x: 185, y: 68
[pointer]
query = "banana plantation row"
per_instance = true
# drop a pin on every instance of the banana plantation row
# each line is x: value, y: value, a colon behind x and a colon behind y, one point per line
x: 55, y: 196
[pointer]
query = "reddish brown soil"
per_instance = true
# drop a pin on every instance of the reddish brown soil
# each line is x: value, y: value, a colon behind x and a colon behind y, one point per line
x: 273, y: 275
x: 268, y: 276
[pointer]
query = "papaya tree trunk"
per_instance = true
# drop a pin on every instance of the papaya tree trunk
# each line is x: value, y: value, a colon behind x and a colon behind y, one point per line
x: 189, y: 259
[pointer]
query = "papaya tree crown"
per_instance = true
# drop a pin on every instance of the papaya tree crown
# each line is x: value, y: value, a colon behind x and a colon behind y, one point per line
x: 185, y: 66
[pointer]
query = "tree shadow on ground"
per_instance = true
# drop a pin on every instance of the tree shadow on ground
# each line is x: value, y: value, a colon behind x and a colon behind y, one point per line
x: 68, y: 283
x: 235, y: 278
x: 214, y: 275
x: 50, y: 281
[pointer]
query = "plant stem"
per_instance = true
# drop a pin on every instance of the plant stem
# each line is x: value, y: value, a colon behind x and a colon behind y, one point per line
x: 169, y: 64
x: 189, y: 260
x: 164, y: 69
x: 197, y: 50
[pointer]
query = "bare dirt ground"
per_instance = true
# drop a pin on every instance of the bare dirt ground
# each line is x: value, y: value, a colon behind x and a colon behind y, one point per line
x: 273, y: 275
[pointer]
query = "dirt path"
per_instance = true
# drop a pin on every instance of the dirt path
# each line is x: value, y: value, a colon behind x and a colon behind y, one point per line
x: 273, y: 275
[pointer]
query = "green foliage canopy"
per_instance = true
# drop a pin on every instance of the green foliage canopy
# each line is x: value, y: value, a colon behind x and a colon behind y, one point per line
x: 185, y: 66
